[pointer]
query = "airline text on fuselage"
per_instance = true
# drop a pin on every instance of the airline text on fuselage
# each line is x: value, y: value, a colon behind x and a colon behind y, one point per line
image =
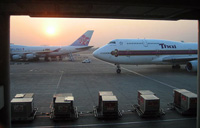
x: 163, y: 46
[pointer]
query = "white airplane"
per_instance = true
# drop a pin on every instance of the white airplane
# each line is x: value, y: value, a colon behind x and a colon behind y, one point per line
x: 149, y: 51
x: 20, y: 52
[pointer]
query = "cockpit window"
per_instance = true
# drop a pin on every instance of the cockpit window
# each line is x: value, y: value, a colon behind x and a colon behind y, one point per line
x: 112, y: 42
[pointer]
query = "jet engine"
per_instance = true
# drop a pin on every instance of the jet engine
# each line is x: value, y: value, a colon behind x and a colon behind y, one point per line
x: 16, y: 57
x: 192, y: 66
x: 30, y: 56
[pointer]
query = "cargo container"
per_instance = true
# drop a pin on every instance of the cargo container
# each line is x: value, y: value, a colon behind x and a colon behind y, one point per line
x: 60, y: 95
x: 22, y: 109
x: 149, y: 104
x: 20, y: 95
x: 189, y: 101
x: 144, y: 92
x: 63, y: 107
x: 25, y: 95
x: 103, y: 93
x: 29, y: 95
x: 177, y: 96
x: 109, y: 105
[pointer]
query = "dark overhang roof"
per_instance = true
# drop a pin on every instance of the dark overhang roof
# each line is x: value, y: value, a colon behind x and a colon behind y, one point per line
x: 120, y: 9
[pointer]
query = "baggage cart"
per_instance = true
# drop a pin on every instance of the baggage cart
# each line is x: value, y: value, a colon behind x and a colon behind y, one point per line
x: 63, y: 107
x: 149, y: 106
x: 144, y: 92
x: 185, y: 102
x: 22, y: 109
x: 177, y: 96
x: 108, y: 109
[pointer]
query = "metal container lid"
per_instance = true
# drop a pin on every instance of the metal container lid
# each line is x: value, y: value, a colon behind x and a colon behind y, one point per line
x: 150, y: 97
x: 145, y: 92
x: 19, y: 95
x: 21, y: 100
x: 29, y: 95
x: 189, y: 94
x: 105, y: 93
x: 68, y: 99
x: 109, y: 98
x: 181, y: 90
x: 63, y: 95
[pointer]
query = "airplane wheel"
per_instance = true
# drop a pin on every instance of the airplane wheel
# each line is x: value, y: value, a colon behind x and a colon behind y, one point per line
x: 60, y: 58
x: 46, y: 58
x: 118, y: 71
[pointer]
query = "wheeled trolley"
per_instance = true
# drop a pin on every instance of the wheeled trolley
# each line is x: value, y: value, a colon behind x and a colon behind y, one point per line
x: 185, y: 102
x: 149, y: 106
x: 108, y: 106
x: 22, y: 107
x: 63, y: 108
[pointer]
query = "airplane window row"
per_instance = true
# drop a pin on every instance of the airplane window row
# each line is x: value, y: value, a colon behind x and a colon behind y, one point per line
x: 134, y: 43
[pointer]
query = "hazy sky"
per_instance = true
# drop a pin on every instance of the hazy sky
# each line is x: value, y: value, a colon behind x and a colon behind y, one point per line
x: 63, y: 31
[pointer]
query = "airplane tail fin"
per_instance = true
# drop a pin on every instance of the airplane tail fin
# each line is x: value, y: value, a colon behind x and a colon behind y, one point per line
x: 84, y: 39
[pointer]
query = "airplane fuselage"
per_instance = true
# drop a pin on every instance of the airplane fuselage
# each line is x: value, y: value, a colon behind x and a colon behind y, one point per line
x: 21, y: 52
x: 147, y: 51
x: 20, y: 49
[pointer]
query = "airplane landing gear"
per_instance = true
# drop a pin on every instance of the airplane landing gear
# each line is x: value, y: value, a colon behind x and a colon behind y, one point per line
x: 46, y: 58
x: 60, y: 58
x: 118, y: 69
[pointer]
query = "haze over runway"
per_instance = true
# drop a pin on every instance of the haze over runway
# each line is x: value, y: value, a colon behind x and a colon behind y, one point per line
x: 25, y: 30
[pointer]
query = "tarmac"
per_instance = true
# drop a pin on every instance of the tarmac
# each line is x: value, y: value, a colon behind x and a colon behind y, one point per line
x: 85, y: 80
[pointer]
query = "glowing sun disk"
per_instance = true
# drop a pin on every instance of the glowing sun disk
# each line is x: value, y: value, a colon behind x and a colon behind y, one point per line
x: 50, y: 30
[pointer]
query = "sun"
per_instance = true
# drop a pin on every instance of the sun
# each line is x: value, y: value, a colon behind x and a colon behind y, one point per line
x: 50, y: 30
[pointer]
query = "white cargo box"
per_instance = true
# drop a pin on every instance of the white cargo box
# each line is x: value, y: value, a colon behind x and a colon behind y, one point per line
x: 104, y: 93
x: 144, y: 92
x: 25, y: 95
x: 29, y: 95
x: 177, y: 96
x: 109, y: 104
x: 19, y: 95
x: 67, y: 99
x: 63, y: 105
x: 149, y: 103
x: 61, y: 95
x: 109, y: 98
x: 188, y: 101
x: 21, y: 107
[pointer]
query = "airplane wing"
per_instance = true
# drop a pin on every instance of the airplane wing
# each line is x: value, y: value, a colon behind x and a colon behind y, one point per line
x: 179, y: 59
x: 47, y: 51
x: 84, y: 48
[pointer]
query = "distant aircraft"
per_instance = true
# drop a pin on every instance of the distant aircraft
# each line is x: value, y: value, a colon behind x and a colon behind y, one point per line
x: 20, y: 52
x: 149, y: 51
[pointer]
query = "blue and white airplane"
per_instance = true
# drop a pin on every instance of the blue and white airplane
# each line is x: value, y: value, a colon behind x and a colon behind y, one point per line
x: 149, y: 51
x: 21, y: 52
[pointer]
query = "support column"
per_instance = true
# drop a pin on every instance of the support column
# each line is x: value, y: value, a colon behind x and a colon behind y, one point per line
x: 5, y: 115
x: 198, y: 79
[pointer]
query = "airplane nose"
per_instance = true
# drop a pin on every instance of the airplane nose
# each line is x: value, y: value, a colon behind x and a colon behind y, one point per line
x: 96, y: 53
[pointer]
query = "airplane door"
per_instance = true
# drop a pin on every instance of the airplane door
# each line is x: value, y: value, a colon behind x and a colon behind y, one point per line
x: 157, y: 52
x: 145, y: 43
x: 189, y: 52
x: 121, y: 43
